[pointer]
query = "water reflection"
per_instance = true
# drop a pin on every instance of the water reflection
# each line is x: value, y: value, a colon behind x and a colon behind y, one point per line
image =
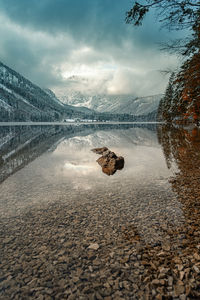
x: 22, y: 144
x: 68, y: 172
x: 19, y: 145
x: 181, y: 147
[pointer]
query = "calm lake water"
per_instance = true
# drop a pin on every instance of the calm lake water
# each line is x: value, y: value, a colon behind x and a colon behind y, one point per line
x: 52, y: 163
x: 50, y: 184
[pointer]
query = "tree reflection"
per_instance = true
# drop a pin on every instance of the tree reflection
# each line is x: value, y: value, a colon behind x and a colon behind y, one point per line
x: 181, y: 147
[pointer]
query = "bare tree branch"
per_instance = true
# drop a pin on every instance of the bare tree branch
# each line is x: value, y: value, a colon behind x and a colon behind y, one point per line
x: 173, y: 15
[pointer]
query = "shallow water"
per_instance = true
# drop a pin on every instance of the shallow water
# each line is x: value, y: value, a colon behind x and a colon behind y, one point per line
x: 69, y: 167
x: 151, y: 206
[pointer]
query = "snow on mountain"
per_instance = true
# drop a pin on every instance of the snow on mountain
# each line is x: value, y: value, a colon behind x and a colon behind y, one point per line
x: 5, y: 106
x: 53, y: 96
x: 114, y: 103
x: 5, y: 139
x: 21, y: 100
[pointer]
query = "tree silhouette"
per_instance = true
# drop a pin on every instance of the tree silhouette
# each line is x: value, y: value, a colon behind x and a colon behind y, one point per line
x: 173, y: 15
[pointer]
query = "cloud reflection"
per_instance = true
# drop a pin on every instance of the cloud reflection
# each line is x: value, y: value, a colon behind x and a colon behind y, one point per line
x: 84, y: 169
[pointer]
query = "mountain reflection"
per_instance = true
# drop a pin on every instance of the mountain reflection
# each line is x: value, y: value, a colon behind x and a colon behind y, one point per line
x: 19, y: 145
x: 181, y: 148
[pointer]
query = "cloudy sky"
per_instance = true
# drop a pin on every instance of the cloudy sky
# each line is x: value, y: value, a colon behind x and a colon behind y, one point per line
x: 83, y: 45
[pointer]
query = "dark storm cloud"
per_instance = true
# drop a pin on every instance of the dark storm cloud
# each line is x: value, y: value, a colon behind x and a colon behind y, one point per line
x: 43, y: 39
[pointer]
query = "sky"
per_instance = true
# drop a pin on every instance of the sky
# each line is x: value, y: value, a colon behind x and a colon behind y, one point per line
x: 84, y: 46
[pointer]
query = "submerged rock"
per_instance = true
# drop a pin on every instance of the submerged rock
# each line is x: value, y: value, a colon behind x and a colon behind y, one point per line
x: 109, y: 161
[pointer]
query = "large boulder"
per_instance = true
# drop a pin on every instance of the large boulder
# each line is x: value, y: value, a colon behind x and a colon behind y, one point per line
x: 109, y: 161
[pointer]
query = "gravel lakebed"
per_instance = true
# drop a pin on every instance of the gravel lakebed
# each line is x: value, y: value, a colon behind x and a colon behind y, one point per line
x: 69, y: 231
x: 107, y: 245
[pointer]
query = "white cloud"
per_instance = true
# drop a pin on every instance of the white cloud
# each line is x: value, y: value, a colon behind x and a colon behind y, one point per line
x: 129, y: 81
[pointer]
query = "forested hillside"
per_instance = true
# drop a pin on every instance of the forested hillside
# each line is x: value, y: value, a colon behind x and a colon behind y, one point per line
x: 181, y: 102
x: 21, y: 100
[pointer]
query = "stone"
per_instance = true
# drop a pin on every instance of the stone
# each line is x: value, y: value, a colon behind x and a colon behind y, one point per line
x: 90, y: 268
x: 98, y: 296
x: 170, y: 280
x: 196, y: 269
x: 182, y: 273
x: 179, y: 289
x: 109, y: 161
x: 155, y: 281
x: 182, y: 297
x: 196, y: 256
x: 94, y: 246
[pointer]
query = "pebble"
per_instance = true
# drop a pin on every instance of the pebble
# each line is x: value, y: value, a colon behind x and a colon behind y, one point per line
x: 94, y: 246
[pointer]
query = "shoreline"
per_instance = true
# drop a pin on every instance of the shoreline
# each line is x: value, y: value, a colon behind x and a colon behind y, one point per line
x: 72, y: 123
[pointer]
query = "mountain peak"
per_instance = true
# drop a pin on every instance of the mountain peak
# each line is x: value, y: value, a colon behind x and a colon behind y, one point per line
x: 116, y: 104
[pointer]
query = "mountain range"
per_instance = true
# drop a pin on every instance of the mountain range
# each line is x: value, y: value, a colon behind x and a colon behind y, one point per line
x: 115, y: 104
x: 22, y: 100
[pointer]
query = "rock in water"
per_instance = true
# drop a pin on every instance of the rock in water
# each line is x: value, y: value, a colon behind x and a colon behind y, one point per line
x: 109, y: 161
x: 99, y: 150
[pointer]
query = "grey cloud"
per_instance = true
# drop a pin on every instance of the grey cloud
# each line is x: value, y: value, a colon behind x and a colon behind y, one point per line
x: 96, y: 21
x: 40, y: 39
x: 34, y: 55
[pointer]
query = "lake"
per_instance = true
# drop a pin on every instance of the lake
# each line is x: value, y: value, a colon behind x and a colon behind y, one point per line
x: 69, y: 231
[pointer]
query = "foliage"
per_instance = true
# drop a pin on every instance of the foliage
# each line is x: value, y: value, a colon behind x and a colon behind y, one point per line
x: 174, y: 15
x: 189, y: 76
x: 181, y: 102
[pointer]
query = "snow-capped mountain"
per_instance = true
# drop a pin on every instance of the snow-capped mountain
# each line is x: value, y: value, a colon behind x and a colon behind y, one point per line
x: 116, y: 104
x: 21, y: 100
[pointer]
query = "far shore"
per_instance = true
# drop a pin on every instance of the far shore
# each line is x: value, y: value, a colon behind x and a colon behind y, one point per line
x: 28, y: 123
